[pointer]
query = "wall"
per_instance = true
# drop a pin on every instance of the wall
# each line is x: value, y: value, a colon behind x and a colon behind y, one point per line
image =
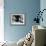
x: 26, y: 7
x: 43, y: 6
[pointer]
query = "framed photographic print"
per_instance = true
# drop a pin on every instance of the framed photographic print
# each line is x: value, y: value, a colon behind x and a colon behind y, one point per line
x: 17, y: 19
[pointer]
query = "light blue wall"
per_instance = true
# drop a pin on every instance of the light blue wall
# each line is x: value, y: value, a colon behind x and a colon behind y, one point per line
x: 43, y: 6
x: 26, y: 7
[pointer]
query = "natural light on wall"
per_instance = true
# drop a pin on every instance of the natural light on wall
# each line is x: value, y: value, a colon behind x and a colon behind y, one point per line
x: 1, y: 20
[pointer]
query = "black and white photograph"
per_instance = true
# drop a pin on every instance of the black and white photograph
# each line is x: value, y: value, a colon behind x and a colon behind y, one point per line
x: 17, y: 19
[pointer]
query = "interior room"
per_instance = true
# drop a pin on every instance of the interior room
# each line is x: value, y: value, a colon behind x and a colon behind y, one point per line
x: 22, y: 23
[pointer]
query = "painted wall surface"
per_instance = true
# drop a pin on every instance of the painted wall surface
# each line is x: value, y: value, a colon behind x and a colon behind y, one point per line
x: 43, y: 6
x: 26, y: 7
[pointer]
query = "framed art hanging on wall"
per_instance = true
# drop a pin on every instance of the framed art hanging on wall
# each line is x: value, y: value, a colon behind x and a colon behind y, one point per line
x: 17, y: 19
